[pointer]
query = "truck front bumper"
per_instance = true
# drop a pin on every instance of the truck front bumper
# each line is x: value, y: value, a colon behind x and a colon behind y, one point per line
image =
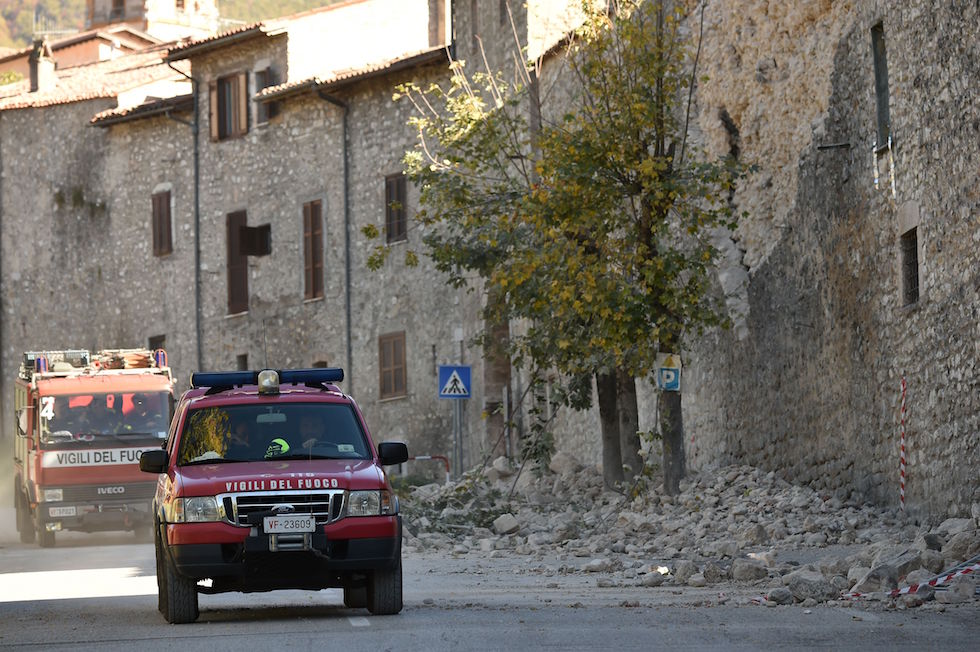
x: 246, y: 559
x: 99, y: 517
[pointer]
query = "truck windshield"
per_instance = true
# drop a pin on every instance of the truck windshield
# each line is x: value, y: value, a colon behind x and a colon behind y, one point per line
x: 101, y: 417
x: 247, y: 433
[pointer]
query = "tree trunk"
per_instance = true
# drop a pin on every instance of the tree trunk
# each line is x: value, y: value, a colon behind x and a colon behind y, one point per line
x: 496, y: 384
x: 629, y: 423
x: 612, y: 460
x: 672, y: 431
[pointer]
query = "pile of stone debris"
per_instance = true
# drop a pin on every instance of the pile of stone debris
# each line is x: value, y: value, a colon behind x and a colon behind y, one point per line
x: 736, y: 525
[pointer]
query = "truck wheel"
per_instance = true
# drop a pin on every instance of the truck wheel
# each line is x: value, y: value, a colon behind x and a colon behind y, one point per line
x: 25, y: 524
x: 355, y: 596
x: 45, y: 537
x: 181, y: 596
x: 384, y: 591
x: 161, y: 577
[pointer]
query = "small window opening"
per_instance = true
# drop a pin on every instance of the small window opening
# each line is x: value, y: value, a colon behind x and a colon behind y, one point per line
x: 881, y: 84
x: 241, y: 362
x: 910, y: 267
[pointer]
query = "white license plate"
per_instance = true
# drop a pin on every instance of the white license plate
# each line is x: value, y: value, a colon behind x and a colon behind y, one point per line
x: 288, y: 523
x: 61, y: 511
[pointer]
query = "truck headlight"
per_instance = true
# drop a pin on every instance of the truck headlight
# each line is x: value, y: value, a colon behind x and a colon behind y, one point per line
x: 199, y: 509
x: 371, y: 503
x: 53, y: 495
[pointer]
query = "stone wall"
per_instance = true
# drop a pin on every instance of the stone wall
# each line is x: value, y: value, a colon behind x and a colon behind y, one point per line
x: 812, y: 388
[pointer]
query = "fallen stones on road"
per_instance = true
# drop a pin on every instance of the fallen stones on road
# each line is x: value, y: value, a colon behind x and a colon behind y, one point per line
x: 735, y: 525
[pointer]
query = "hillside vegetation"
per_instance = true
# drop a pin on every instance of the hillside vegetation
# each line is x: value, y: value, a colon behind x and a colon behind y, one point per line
x: 18, y: 23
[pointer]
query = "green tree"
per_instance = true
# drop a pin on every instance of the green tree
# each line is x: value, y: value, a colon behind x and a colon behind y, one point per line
x: 591, y: 227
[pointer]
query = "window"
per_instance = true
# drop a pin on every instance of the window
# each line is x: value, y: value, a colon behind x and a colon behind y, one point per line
x: 391, y: 353
x: 313, y: 250
x: 320, y: 364
x: 118, y: 9
x: 910, y: 267
x: 503, y: 12
x: 241, y: 362
x: 474, y: 25
x: 157, y: 342
x: 237, y: 264
x: 265, y: 111
x: 396, y: 227
x: 881, y: 83
x: 162, y: 237
x: 180, y: 5
x: 229, y: 106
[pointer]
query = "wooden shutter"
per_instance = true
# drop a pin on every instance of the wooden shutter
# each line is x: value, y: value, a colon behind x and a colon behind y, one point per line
x: 391, y: 354
x: 395, y: 226
x: 313, y: 249
x: 237, y: 264
x: 162, y: 238
x: 213, y: 108
x: 241, y: 89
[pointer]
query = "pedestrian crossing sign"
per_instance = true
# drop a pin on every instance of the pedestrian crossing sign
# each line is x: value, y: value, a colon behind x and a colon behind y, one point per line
x: 454, y: 381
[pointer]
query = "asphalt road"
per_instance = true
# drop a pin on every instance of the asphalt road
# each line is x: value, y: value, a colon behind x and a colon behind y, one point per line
x: 98, y: 592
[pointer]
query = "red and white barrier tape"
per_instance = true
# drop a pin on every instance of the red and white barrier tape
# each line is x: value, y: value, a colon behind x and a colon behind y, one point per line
x: 942, y: 579
x: 902, y: 463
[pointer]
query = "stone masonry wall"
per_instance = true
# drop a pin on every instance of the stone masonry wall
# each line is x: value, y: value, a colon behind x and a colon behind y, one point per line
x: 812, y: 389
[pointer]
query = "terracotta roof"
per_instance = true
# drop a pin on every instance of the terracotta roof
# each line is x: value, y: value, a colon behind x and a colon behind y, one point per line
x: 125, y: 34
x: 155, y: 107
x: 103, y: 79
x: 207, y: 43
x: 342, y: 78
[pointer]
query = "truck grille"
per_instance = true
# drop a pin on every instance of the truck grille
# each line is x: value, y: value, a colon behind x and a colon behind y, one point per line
x: 103, y: 492
x: 245, y: 509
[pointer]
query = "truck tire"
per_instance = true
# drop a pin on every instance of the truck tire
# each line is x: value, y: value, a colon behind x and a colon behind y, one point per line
x: 384, y: 591
x: 161, y: 577
x: 355, y: 595
x: 181, y: 596
x: 45, y: 537
x: 25, y: 523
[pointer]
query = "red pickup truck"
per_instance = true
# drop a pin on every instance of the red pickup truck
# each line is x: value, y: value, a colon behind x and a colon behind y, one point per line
x: 270, y: 480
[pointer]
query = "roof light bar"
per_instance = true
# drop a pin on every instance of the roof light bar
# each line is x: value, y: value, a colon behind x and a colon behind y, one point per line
x: 317, y: 375
x: 223, y: 378
x: 286, y: 377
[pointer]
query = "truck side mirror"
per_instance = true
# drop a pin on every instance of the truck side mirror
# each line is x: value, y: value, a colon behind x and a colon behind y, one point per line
x: 154, y: 461
x: 392, y: 452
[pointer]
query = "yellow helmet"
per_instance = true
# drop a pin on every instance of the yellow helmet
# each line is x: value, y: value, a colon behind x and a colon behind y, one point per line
x: 277, y: 446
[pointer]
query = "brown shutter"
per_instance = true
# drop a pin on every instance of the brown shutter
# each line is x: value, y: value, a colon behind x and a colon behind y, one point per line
x: 241, y: 127
x: 168, y: 242
x: 317, y: 223
x: 162, y: 239
x: 308, y: 291
x: 237, y: 264
x: 213, y: 107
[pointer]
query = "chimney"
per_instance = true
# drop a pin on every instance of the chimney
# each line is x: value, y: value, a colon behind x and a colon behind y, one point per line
x: 41, y: 62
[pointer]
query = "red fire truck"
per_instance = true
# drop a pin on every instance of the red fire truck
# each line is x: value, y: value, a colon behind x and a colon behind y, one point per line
x: 83, y: 419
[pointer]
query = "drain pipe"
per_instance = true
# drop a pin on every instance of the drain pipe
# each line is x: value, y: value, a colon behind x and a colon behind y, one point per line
x: 347, y: 262
x: 195, y: 129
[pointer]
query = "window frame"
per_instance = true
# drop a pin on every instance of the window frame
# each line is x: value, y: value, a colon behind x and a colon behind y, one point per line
x: 228, y: 96
x: 265, y: 111
x: 392, y: 367
x: 161, y: 223
x: 910, y: 265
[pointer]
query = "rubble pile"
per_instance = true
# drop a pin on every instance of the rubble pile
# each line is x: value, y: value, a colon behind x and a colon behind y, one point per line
x: 734, y: 525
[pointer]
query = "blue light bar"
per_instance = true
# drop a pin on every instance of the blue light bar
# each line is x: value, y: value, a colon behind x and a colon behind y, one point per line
x: 317, y: 375
x: 223, y: 378
x: 286, y: 376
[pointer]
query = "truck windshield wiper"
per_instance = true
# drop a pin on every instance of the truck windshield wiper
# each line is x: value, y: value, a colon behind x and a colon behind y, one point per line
x: 211, y: 460
x: 304, y: 456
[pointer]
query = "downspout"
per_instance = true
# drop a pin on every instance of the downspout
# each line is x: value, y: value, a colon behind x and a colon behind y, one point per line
x: 195, y: 129
x: 347, y: 262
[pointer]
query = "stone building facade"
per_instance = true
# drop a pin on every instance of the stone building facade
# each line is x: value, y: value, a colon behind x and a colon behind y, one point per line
x: 819, y: 276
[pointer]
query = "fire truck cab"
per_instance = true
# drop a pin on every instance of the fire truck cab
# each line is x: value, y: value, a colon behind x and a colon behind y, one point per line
x: 82, y: 421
